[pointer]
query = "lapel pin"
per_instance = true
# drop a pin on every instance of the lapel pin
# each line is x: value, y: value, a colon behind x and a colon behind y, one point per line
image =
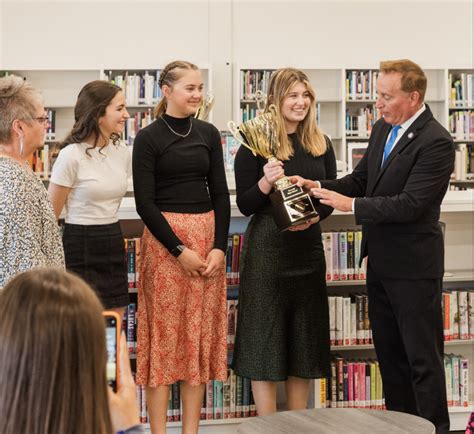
x: 410, y: 135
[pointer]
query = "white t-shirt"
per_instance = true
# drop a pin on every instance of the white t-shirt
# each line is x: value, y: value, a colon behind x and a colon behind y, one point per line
x: 98, y: 181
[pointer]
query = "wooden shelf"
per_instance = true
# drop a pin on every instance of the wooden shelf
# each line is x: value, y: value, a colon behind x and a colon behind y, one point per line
x: 455, y: 342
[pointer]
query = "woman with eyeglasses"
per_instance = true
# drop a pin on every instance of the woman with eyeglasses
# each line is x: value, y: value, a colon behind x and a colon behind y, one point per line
x: 89, y: 179
x: 29, y: 233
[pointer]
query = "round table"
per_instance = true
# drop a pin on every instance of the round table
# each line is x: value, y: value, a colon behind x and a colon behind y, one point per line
x: 337, y: 420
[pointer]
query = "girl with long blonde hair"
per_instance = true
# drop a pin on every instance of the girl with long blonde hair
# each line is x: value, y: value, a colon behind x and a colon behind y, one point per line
x: 283, y: 320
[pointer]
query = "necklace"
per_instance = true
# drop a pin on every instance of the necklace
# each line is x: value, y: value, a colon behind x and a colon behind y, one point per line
x: 174, y: 132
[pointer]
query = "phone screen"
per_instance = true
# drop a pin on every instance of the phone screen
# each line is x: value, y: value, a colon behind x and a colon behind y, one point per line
x: 111, y: 341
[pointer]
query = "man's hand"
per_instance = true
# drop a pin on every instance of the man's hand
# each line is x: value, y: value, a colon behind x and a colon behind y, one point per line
x: 333, y: 199
x: 304, y: 183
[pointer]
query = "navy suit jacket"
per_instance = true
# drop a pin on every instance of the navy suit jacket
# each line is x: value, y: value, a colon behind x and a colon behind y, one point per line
x: 398, y: 204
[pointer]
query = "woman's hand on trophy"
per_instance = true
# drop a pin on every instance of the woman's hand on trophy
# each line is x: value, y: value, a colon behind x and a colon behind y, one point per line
x: 192, y: 263
x: 307, y: 184
x: 215, y: 261
x: 272, y: 172
x: 305, y: 225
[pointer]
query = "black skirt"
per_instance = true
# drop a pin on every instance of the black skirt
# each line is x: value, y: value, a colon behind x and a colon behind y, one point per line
x: 97, y: 254
x: 283, y: 314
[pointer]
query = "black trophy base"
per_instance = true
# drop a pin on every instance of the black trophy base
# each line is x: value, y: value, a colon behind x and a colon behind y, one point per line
x: 291, y: 207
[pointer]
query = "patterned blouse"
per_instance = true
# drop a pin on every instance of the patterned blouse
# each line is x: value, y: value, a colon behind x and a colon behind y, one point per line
x: 29, y: 233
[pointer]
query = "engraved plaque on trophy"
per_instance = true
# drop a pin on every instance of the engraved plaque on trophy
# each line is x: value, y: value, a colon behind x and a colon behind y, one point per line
x: 291, y: 205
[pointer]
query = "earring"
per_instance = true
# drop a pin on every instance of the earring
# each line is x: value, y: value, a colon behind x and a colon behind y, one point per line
x: 22, y: 145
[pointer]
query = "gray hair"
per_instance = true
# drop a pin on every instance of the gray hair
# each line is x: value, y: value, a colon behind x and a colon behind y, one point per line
x: 18, y: 100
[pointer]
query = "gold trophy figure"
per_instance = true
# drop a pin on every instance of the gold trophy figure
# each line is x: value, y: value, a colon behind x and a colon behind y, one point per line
x: 291, y: 204
x: 205, y: 107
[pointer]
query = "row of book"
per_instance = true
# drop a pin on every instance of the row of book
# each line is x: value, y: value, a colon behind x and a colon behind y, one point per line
x: 458, y: 314
x: 42, y: 160
x: 253, y: 80
x: 248, y: 112
x: 461, y: 124
x: 132, y: 254
x: 353, y: 384
x: 461, y: 89
x: 360, y: 123
x: 349, y: 320
x: 139, y: 88
x: 222, y: 400
x: 463, y: 162
x: 361, y: 85
x: 349, y: 317
x: 235, y: 243
x: 135, y: 123
x: 342, y: 250
x: 358, y: 384
x: 456, y: 370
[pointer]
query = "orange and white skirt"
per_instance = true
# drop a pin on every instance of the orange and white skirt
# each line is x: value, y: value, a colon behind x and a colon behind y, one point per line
x: 182, y: 320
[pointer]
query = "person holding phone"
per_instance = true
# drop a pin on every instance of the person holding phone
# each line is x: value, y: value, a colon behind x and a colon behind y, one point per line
x: 181, y: 194
x: 53, y: 359
x: 283, y: 316
x: 89, y: 179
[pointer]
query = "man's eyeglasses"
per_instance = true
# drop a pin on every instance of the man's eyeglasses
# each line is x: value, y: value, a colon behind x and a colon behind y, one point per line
x: 43, y: 120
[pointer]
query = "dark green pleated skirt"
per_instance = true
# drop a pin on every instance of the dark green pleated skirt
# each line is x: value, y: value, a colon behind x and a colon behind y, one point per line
x: 283, y: 316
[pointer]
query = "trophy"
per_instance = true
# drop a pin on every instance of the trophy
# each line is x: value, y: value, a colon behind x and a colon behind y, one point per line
x: 291, y: 204
x: 205, y: 107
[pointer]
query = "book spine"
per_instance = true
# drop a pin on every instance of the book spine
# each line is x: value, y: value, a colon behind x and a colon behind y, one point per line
x: 339, y: 320
x: 210, y: 400
x: 464, y: 382
x: 346, y: 315
x: 343, y: 255
x: 327, y: 244
x: 463, y: 310
x: 335, y: 256
x: 350, y: 256
x: 332, y: 319
x: 333, y: 384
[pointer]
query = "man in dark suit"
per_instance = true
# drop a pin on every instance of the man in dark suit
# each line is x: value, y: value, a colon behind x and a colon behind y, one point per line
x: 395, y: 193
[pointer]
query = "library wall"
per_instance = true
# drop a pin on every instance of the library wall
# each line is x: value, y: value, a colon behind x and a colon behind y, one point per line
x: 74, y: 34
x: 356, y: 33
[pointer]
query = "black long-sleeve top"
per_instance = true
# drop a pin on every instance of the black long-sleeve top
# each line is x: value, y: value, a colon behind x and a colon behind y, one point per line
x: 180, y: 174
x: 249, y: 170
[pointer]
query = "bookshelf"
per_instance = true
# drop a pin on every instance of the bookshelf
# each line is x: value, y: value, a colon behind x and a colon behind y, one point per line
x: 346, y: 106
x: 346, y: 99
x: 61, y: 86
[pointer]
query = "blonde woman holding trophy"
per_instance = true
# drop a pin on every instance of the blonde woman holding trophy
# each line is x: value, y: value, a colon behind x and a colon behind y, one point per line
x: 181, y: 194
x: 283, y: 317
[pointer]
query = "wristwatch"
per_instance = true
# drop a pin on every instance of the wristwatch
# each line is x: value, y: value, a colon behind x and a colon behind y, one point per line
x: 177, y: 250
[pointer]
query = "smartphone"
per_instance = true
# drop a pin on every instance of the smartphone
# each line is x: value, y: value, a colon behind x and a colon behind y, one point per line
x: 113, y: 326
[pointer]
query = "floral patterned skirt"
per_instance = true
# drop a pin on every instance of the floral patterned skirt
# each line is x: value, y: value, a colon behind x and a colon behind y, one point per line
x: 181, y: 330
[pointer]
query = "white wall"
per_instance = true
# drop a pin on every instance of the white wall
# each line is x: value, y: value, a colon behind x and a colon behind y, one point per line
x: 354, y: 33
x: 143, y: 34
